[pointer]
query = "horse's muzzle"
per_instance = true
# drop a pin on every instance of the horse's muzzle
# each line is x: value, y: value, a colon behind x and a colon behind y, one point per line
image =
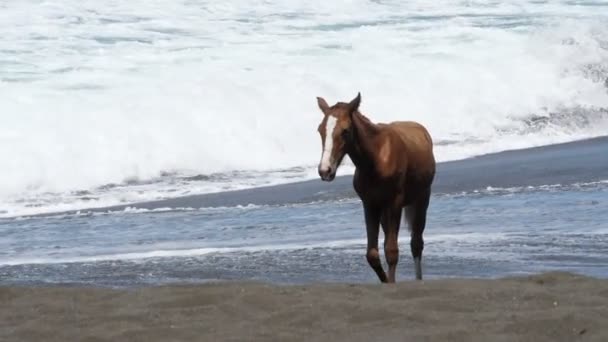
x: 327, y: 175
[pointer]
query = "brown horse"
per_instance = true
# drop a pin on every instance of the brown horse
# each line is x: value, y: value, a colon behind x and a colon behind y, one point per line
x: 395, y: 168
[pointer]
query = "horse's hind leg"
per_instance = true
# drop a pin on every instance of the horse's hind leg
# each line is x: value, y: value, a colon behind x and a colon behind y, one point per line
x: 372, y: 223
x: 416, y: 218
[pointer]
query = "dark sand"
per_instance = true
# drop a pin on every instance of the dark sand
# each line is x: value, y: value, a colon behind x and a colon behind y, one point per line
x: 547, y: 307
x: 579, y: 161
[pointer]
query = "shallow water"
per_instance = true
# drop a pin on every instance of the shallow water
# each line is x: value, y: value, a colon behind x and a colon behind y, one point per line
x: 480, y: 234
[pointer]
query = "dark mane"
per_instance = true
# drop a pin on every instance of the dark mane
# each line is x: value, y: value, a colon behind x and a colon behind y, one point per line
x: 364, y: 118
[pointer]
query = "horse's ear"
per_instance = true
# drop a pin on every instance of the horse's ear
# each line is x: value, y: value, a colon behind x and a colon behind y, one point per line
x: 353, y: 106
x: 322, y: 104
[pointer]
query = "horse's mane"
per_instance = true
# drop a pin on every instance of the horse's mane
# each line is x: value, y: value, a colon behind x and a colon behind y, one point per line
x: 364, y: 118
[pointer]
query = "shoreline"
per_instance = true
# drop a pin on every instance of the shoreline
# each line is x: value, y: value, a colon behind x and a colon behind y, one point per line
x: 565, y: 163
x: 553, y: 306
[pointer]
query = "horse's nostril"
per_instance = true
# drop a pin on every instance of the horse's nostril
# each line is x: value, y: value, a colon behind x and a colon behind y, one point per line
x: 325, y: 174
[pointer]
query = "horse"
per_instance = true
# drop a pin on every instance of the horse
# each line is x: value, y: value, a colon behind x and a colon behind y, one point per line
x: 394, y: 172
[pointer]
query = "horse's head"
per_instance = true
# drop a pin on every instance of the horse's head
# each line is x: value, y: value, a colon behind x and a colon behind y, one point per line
x: 336, y: 133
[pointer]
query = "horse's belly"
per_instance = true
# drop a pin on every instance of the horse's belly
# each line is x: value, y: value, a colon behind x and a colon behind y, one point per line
x: 403, y: 189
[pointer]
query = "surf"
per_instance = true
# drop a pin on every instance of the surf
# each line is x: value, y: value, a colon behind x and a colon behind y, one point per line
x: 127, y: 105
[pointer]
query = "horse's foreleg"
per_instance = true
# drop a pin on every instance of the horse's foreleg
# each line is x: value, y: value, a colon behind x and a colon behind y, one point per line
x: 391, y: 219
x: 372, y: 223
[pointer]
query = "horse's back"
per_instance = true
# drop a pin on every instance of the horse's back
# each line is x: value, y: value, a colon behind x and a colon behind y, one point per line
x: 418, y: 146
x: 414, y: 135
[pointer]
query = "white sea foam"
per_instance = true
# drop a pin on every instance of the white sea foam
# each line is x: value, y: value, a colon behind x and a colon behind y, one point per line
x: 97, y: 93
x: 275, y: 247
x: 176, y: 253
x: 491, y: 190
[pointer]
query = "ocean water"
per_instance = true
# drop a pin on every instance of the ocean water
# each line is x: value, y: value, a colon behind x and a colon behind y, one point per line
x: 116, y: 103
x: 489, y: 233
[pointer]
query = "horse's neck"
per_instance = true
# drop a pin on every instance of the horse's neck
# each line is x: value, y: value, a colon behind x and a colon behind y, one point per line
x: 363, y: 151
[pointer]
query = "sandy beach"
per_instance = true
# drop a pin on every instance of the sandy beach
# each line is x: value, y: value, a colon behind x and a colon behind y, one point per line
x: 554, y: 306
x: 160, y: 175
x: 545, y: 307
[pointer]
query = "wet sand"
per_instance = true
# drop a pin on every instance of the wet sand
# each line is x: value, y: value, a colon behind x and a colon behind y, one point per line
x: 546, y: 307
x: 578, y: 161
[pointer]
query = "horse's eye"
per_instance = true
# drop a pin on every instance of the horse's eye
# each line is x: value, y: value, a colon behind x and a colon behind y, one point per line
x: 345, y: 132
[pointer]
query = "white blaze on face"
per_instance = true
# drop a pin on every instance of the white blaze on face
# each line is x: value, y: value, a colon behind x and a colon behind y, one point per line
x: 326, y: 161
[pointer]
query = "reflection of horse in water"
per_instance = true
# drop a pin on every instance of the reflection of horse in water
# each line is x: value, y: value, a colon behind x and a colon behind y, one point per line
x: 395, y: 168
